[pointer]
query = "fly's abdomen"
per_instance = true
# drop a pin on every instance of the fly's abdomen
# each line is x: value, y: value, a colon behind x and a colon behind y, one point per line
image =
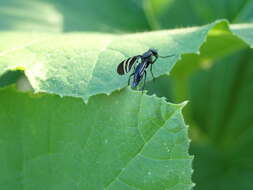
x: 136, y: 81
x: 138, y: 75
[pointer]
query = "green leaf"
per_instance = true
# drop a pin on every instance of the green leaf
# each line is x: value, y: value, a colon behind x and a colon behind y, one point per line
x: 123, y: 141
x: 245, y: 31
x: 29, y: 15
x: 225, y: 129
x: 83, y: 65
x: 221, y: 41
x: 125, y: 15
x: 181, y: 13
x: 110, y: 15
x: 56, y: 16
x: 10, y: 77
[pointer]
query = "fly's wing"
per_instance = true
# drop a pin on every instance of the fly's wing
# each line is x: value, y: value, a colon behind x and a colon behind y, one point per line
x: 126, y: 65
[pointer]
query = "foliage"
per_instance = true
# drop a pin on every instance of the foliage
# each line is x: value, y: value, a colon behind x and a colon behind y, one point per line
x: 80, y: 128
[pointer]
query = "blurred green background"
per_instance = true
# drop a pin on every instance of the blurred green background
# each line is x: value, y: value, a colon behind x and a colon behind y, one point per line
x: 218, y: 81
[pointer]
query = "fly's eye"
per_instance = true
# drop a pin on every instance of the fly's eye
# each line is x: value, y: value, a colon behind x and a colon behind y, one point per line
x: 154, y: 51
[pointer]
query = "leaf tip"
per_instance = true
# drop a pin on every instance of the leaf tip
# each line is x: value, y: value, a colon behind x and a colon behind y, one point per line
x: 86, y: 101
x: 183, y: 104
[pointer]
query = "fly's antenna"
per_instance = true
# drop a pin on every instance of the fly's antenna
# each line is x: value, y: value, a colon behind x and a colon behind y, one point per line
x: 166, y: 56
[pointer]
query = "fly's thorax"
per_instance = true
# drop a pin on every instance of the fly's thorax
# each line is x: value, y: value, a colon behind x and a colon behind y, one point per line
x: 141, y: 67
x: 147, y: 54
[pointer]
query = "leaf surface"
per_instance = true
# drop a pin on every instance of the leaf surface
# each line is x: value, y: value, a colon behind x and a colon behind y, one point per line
x: 123, y: 141
x: 65, y: 16
x: 29, y: 15
x: 181, y: 13
x: 83, y: 65
x: 225, y: 130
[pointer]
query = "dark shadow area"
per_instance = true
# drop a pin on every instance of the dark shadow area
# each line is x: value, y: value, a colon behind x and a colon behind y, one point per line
x: 10, y: 77
x: 101, y: 16
x: 221, y: 106
x: 161, y: 87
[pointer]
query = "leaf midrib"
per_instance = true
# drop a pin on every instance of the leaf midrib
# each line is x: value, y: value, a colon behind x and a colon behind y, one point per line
x: 140, y: 151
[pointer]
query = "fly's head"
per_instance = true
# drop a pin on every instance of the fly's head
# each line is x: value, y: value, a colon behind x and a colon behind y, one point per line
x: 154, y: 52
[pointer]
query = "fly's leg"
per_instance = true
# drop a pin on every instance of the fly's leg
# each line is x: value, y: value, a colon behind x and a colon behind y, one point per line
x: 130, y: 78
x: 151, y: 68
x: 145, y: 73
x: 151, y: 71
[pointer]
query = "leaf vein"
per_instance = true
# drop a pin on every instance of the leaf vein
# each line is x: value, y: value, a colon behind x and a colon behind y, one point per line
x: 138, y: 153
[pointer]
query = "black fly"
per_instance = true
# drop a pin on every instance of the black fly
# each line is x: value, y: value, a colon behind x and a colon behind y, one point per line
x: 140, y: 63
